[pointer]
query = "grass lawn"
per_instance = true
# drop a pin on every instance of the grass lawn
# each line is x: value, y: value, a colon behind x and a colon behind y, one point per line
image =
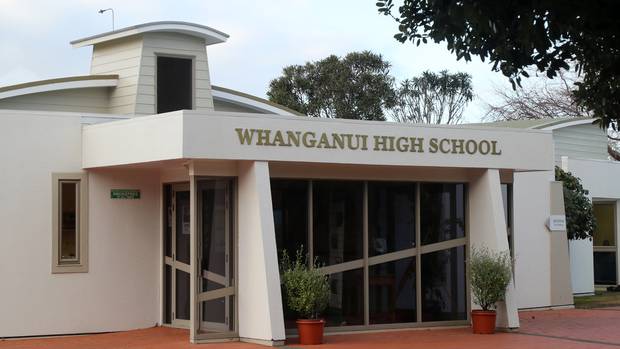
x: 601, y: 299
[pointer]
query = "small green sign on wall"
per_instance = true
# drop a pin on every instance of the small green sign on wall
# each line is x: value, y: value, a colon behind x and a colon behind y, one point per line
x: 127, y: 194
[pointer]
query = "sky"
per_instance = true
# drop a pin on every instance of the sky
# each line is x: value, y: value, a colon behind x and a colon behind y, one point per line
x: 265, y: 36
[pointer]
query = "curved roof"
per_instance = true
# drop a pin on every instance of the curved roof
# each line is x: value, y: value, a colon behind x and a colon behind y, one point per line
x: 71, y: 82
x: 210, y: 35
x: 251, y: 101
x: 538, y: 124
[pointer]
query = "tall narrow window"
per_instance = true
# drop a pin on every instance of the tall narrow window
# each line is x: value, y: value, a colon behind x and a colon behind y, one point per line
x: 69, y: 199
x: 69, y: 223
x: 174, y: 84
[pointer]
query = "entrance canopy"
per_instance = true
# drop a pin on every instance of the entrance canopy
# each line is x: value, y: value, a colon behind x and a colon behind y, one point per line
x: 240, y: 136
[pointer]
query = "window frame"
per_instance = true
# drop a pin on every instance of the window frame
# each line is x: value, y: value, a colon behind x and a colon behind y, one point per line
x: 81, y: 263
x: 367, y: 261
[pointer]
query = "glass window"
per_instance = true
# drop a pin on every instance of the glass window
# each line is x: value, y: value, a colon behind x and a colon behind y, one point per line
x: 605, y: 234
x: 168, y: 220
x: 444, y: 295
x: 338, y: 221
x: 218, y: 315
x: 346, y: 302
x: 69, y: 225
x: 290, y: 215
x: 392, y: 297
x: 182, y: 239
x: 605, y: 268
x: 442, y: 212
x: 182, y: 295
x: 391, y: 217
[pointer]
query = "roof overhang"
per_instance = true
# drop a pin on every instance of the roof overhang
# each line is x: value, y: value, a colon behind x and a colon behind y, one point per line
x: 219, y: 136
x: 72, y: 82
x: 210, y: 35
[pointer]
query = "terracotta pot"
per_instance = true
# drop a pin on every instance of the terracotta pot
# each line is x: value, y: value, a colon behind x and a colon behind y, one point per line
x: 310, y: 331
x: 483, y: 322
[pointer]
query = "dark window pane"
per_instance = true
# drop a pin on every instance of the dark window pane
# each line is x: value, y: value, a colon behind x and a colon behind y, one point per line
x: 174, y: 84
x: 605, y: 268
x: 217, y: 315
x: 346, y: 303
x: 392, y: 296
x: 168, y: 220
x: 605, y: 233
x: 69, y: 221
x: 168, y: 295
x: 391, y: 217
x: 290, y: 215
x: 444, y: 294
x: 215, y: 228
x: 338, y: 221
x: 182, y: 295
x: 182, y: 226
x: 442, y: 212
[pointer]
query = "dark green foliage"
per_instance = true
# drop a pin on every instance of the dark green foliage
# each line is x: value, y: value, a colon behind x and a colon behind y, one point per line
x: 307, y: 290
x: 514, y: 35
x: 490, y: 275
x: 357, y: 86
x: 580, y: 220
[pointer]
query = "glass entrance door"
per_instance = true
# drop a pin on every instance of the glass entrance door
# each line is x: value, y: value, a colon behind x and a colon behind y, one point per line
x: 216, y: 280
x: 177, y: 256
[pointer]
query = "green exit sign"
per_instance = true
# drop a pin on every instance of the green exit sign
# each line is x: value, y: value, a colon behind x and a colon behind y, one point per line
x: 131, y: 194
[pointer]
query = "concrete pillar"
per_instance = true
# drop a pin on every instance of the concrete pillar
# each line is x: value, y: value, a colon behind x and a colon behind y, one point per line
x: 259, y: 300
x: 561, y: 289
x: 487, y: 227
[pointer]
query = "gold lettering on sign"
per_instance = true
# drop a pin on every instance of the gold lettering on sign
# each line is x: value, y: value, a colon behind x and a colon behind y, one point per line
x: 360, y: 142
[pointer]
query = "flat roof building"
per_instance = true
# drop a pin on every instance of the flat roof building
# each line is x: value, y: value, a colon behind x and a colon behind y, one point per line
x: 142, y: 195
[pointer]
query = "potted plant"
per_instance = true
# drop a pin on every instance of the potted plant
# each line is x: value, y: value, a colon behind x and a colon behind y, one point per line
x: 307, y: 293
x: 490, y: 275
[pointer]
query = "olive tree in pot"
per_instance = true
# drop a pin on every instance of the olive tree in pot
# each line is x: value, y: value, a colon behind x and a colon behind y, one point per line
x: 307, y: 293
x: 490, y: 274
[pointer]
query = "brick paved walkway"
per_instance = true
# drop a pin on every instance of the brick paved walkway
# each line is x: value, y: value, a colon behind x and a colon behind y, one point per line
x: 566, y: 329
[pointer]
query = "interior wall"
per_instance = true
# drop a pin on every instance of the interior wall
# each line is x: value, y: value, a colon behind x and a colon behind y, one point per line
x: 120, y: 290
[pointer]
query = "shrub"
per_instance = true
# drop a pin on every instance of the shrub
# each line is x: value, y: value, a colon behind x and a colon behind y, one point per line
x: 307, y: 290
x: 580, y: 220
x: 490, y: 275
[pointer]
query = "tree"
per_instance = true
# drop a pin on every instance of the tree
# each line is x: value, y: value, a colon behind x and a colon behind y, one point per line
x: 546, y: 99
x: 580, y: 220
x: 357, y: 86
x: 433, y: 98
x: 543, y: 99
x: 517, y: 35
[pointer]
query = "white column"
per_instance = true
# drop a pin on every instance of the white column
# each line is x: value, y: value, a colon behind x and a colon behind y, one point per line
x: 487, y: 226
x: 259, y: 298
x: 581, y: 257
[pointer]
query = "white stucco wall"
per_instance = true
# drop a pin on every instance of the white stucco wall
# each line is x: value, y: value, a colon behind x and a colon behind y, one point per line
x: 531, y: 195
x: 121, y: 289
x: 600, y: 178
